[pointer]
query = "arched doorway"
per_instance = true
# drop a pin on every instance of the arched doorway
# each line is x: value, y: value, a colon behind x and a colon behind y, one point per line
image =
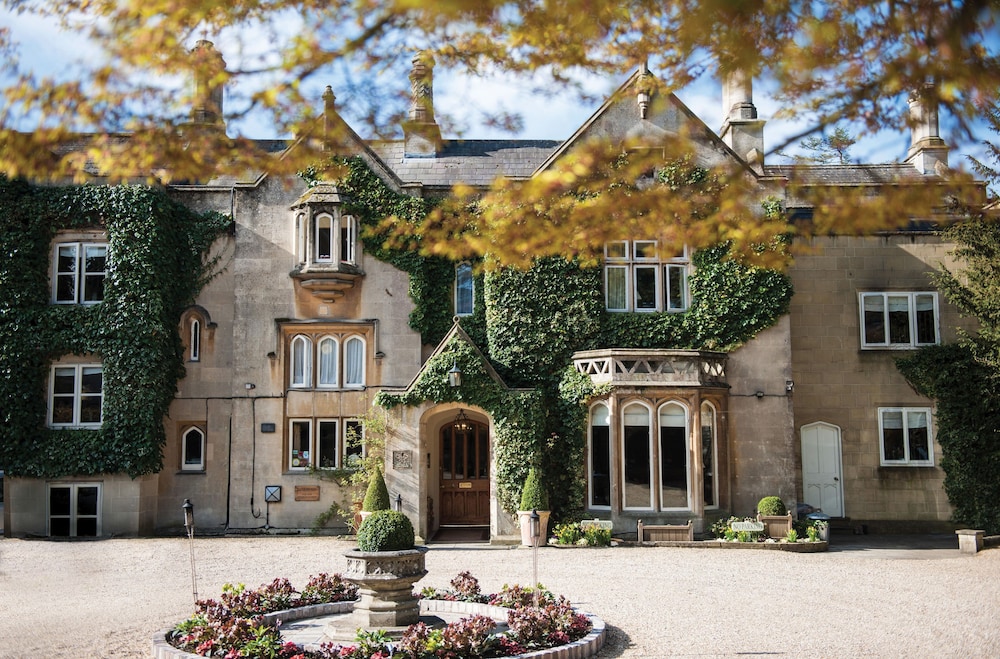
x: 465, y: 472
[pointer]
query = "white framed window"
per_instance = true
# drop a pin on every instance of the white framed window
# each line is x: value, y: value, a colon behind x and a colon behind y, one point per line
x: 324, y: 443
x: 675, y: 490
x: 78, y: 273
x: 899, y: 320
x: 354, y: 362
x: 464, y: 290
x: 637, y: 458
x: 193, y: 450
x: 324, y: 239
x: 599, y: 457
x: 905, y: 436
x: 300, y: 368
x: 76, y: 395
x: 328, y: 358
x: 639, y: 277
x: 74, y: 509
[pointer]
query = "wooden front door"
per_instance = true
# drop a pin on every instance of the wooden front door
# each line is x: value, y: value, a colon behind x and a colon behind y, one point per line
x: 822, y: 486
x: 465, y: 473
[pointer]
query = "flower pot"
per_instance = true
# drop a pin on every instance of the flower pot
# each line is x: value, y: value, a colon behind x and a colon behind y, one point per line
x: 524, y: 517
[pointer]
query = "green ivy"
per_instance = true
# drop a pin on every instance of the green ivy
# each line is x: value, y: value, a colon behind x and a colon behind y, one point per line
x: 156, y: 267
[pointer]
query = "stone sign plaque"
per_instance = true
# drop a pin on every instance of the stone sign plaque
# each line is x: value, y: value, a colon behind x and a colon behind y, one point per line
x: 307, y: 492
x: 402, y: 460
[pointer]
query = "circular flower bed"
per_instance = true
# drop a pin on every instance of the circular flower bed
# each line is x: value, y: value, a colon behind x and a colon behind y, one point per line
x: 234, y: 627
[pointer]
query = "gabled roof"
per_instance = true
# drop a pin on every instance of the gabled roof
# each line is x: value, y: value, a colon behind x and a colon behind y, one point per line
x: 475, y: 162
x: 456, y: 332
x: 849, y: 175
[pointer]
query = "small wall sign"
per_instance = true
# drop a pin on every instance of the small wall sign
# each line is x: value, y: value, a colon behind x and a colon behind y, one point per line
x: 307, y: 492
x: 267, y: 427
x: 755, y: 527
x: 402, y: 460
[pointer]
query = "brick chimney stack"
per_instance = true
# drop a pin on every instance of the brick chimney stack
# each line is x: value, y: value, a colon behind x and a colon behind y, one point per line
x: 206, y: 109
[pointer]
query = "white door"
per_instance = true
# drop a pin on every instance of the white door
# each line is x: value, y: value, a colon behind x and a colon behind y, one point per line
x: 822, y: 481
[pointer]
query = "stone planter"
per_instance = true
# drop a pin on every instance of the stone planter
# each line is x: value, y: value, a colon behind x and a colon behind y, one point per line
x: 776, y: 526
x: 524, y: 517
x: 385, y: 591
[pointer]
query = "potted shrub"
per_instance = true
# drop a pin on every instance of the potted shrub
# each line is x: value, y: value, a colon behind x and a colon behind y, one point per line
x: 534, y: 498
x: 777, y: 520
x: 376, y: 495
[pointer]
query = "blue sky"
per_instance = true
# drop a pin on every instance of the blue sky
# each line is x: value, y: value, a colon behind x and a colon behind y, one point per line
x: 48, y: 51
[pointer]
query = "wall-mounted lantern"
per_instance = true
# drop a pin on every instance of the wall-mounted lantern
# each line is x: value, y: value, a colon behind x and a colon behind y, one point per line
x: 455, y: 375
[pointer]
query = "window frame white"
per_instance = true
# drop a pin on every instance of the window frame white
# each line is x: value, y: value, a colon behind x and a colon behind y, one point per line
x: 349, y: 382
x: 315, y: 456
x: 907, y: 460
x: 912, y: 311
x: 200, y: 464
x: 194, y: 345
x: 79, y: 273
x: 77, y: 395
x: 688, y: 467
x: 348, y: 240
x: 300, y: 363
x: 326, y: 382
x: 74, y: 517
x: 590, y: 456
x: 633, y: 258
x: 650, y: 454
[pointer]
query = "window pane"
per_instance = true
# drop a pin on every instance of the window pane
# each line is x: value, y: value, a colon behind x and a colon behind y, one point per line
x: 676, y: 299
x: 95, y: 257
x: 917, y: 436
x: 464, y: 294
x: 616, y: 285
x: 347, y: 239
x: 892, y: 435
x: 66, y: 258
x: 616, y: 250
x: 899, y: 319
x: 926, y: 323
x: 600, y: 465
x: 874, y: 320
x: 354, y: 434
x: 446, y: 453
x: 90, y: 382
x: 86, y: 527
x: 354, y: 362
x: 461, y: 437
x: 64, y: 380
x: 324, y: 238
x: 59, y: 501
x: 326, y: 441
x: 86, y: 501
x: 195, y: 347
x: 708, y: 452
x: 90, y: 409
x: 193, y: 448
x: 300, y: 361
x: 673, y: 457
x: 59, y: 527
x: 637, y: 486
x: 645, y: 287
x: 645, y: 249
x: 299, y: 445
x: 484, y: 452
x: 328, y: 362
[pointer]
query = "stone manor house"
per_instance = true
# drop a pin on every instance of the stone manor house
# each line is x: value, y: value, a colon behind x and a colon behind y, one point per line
x: 287, y: 348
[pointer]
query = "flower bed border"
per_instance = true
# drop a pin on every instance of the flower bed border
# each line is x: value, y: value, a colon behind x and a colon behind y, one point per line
x: 585, y: 647
x: 796, y: 547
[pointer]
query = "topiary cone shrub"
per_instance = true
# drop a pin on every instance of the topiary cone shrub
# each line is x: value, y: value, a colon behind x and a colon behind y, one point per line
x: 771, y: 506
x: 377, y: 494
x: 534, y: 496
x: 386, y: 530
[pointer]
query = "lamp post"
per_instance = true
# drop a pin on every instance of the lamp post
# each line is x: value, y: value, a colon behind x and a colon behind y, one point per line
x: 535, y: 531
x: 188, y: 509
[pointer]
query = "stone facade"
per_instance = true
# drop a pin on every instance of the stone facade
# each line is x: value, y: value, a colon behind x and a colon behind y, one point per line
x: 278, y: 292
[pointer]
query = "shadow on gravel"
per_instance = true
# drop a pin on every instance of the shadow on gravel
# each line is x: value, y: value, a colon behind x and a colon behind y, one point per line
x: 616, y: 642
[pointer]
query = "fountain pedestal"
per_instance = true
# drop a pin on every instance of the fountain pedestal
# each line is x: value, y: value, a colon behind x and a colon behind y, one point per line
x: 385, y: 592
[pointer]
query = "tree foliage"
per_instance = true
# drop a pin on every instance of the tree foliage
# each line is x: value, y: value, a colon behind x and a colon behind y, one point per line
x: 830, y: 148
x: 837, y: 61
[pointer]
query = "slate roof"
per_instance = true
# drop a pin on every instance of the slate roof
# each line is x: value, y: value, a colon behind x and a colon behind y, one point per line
x: 475, y: 162
x: 848, y: 174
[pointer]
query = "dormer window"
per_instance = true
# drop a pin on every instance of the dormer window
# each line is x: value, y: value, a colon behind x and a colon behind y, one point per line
x: 334, y: 239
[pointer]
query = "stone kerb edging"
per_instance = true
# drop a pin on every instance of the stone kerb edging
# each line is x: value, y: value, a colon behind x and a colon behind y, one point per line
x: 585, y: 647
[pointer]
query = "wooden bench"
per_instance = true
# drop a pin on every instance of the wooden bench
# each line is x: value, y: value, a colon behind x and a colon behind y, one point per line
x: 665, y: 532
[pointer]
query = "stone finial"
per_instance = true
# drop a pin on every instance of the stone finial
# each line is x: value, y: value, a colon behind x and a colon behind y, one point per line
x: 643, y: 90
x: 329, y: 115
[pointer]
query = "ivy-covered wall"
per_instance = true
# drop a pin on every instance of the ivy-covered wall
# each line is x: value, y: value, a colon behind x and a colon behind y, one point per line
x: 529, y: 323
x: 156, y: 266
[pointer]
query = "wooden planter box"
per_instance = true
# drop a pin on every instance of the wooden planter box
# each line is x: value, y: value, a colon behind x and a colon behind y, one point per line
x: 776, y: 526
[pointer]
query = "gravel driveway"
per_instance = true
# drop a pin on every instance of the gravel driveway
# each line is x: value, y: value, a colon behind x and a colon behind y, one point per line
x: 106, y: 598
